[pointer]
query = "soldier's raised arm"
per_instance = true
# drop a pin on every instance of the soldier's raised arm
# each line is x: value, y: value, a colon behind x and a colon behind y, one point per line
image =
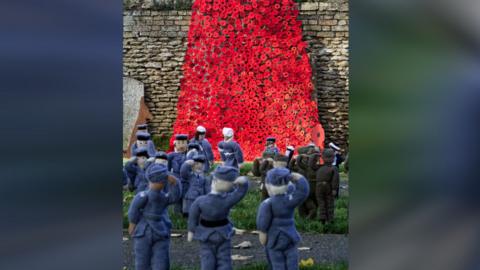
x: 301, y: 190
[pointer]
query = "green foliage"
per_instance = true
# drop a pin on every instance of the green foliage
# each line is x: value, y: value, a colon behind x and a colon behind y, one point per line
x: 263, y: 266
x: 127, y: 199
x: 243, y: 216
x: 246, y: 168
x: 162, y: 142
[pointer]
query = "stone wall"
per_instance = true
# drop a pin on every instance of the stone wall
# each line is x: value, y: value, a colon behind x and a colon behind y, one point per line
x: 155, y: 41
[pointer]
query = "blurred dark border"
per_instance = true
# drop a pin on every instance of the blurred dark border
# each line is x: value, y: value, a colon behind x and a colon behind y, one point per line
x: 415, y: 96
x: 61, y: 110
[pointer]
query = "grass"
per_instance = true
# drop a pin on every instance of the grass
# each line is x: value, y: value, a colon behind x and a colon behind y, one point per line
x: 263, y: 266
x: 243, y: 216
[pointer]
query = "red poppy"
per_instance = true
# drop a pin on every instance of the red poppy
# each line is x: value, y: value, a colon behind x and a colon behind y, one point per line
x: 243, y: 71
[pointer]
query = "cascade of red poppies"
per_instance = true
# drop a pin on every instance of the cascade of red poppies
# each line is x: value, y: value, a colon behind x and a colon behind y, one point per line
x: 246, y: 68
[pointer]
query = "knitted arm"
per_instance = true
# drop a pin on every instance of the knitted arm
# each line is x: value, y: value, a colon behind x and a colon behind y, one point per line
x: 264, y: 216
x: 186, y: 171
x: 301, y: 161
x: 135, y: 210
x: 235, y: 196
x: 238, y: 154
x: 175, y: 189
x: 194, y: 215
x: 335, y: 179
x: 151, y: 148
x: 208, y: 150
x: 169, y: 164
x: 256, y: 167
x: 220, y: 150
x: 313, y: 161
x: 301, y: 190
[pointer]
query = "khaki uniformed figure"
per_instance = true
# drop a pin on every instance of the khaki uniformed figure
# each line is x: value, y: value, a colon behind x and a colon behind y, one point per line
x: 260, y: 168
x: 327, y: 186
x: 307, y: 163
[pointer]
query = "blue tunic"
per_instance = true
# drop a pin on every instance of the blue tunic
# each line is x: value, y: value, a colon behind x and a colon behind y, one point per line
x: 150, y: 148
x: 274, y: 150
x: 215, y: 243
x: 148, y: 211
x: 136, y: 175
x: 196, y: 185
x: 275, y: 217
x: 231, y: 153
x: 206, y: 151
x: 175, y: 162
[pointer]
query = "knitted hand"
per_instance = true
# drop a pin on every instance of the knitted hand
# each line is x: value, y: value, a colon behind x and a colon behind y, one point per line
x: 295, y: 176
x: 190, y: 236
x: 171, y: 180
x: 131, y: 228
x: 263, y: 238
x: 240, y: 180
x: 189, y: 162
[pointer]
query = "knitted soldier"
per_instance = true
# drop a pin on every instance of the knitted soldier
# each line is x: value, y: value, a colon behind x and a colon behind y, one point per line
x: 280, y: 161
x: 175, y: 161
x: 271, y: 147
x: 260, y: 168
x: 338, y: 159
x: 125, y: 179
x: 149, y: 221
x: 208, y: 220
x: 275, y: 218
x: 230, y: 150
x: 192, y: 150
x: 198, y: 183
x: 143, y: 140
x: 135, y: 169
x: 206, y: 148
x: 289, y: 153
x: 327, y: 186
x: 161, y: 158
x: 308, y: 165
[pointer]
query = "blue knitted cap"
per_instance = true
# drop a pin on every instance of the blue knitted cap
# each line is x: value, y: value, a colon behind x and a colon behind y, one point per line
x: 181, y: 137
x: 157, y: 173
x: 161, y: 154
x: 278, y: 177
x: 142, y: 152
x: 199, y: 158
x: 194, y: 145
x: 226, y: 173
x: 143, y: 136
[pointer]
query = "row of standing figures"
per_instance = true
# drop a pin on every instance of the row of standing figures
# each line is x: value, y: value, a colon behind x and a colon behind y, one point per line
x: 180, y: 178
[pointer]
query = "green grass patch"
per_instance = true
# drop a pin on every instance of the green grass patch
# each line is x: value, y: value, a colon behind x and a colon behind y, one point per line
x: 263, y: 266
x: 243, y: 216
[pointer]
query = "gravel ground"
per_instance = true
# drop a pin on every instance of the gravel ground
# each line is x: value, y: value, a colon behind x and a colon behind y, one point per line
x: 325, y: 248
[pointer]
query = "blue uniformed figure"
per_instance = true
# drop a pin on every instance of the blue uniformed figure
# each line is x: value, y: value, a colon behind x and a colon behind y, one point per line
x: 149, y: 222
x: 230, y: 150
x: 197, y: 183
x: 208, y: 220
x: 271, y: 147
x: 289, y: 153
x: 125, y: 179
x: 143, y: 140
x: 275, y: 218
x: 135, y: 169
x: 175, y: 161
x: 206, y: 148
x: 161, y: 158
x: 192, y: 150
